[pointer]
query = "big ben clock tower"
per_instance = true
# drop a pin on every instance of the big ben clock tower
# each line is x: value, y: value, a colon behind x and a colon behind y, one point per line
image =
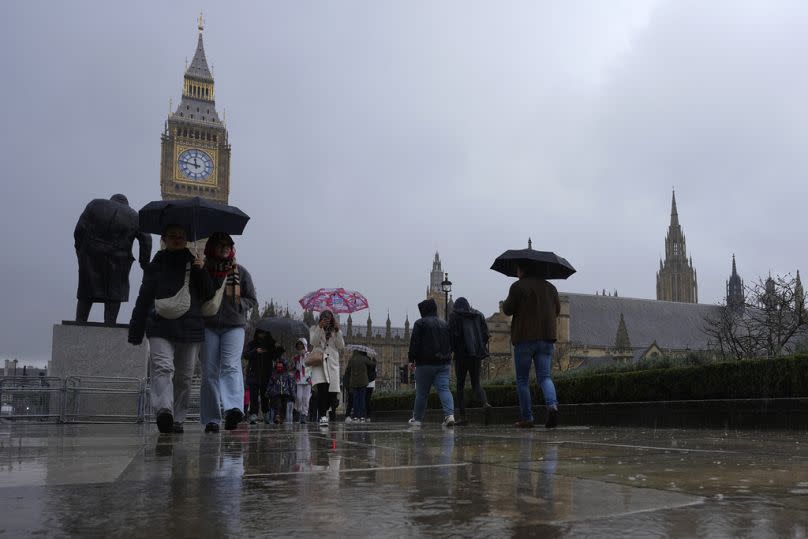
x: 195, y: 158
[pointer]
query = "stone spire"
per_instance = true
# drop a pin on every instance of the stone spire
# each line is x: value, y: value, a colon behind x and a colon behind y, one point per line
x: 676, y: 278
x: 735, y: 293
x: 407, y: 327
x: 198, y: 93
x: 370, y: 328
x: 436, y: 275
x: 621, y: 341
x: 799, y: 297
x: 198, y: 69
x: 674, y: 211
x: 350, y: 326
x: 388, y: 332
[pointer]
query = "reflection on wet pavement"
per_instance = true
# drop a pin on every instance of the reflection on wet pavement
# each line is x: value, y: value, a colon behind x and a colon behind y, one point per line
x: 382, y: 479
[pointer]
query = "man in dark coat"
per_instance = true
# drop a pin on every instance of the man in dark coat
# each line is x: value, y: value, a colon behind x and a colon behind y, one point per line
x: 104, y: 236
x: 430, y: 355
x: 469, y: 334
x: 533, y: 302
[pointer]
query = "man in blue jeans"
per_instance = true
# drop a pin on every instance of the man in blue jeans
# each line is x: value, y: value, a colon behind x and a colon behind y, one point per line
x: 534, y: 304
x: 430, y: 355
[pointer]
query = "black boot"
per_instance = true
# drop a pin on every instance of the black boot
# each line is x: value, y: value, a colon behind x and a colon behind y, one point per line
x: 165, y: 421
x: 552, y: 418
x: 232, y: 418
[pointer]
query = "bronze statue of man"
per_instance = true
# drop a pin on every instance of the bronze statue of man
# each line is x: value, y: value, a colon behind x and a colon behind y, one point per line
x: 104, y: 236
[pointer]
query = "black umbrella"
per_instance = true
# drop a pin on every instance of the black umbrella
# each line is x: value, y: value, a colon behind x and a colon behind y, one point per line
x: 542, y: 264
x: 285, y: 331
x: 198, y: 216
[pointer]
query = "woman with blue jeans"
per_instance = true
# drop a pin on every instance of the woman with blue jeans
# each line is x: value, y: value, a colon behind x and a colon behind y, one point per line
x: 534, y: 305
x: 222, y: 379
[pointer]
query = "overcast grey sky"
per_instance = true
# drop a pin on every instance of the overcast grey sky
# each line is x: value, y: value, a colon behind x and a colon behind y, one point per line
x: 367, y: 135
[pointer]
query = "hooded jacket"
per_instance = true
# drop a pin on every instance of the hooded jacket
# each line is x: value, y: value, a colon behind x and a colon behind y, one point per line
x: 430, y: 343
x: 163, y: 278
x: 469, y: 332
x: 534, y: 304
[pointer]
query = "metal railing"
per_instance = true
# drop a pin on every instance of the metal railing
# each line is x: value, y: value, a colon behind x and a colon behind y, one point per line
x: 75, y: 399
x: 31, y: 397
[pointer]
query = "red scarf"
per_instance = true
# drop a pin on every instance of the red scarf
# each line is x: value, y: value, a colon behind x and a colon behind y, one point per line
x: 218, y: 267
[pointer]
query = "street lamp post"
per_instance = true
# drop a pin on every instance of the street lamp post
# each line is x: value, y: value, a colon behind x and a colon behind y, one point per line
x: 446, y: 286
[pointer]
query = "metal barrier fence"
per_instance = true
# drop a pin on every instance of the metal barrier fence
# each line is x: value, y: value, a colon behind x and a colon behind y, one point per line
x: 100, y: 399
x: 79, y: 399
x: 31, y: 397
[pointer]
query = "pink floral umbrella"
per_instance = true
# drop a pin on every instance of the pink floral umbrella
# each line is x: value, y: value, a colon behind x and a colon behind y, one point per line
x: 336, y: 300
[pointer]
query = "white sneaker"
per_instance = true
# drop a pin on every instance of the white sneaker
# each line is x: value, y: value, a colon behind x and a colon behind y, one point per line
x: 361, y: 419
x: 448, y: 421
x: 349, y: 420
x: 324, y: 420
x: 414, y: 423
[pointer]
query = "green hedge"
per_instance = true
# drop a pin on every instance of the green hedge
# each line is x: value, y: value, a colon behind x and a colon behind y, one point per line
x: 767, y: 378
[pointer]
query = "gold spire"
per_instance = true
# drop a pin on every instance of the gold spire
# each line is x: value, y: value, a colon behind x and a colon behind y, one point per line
x: 201, y: 24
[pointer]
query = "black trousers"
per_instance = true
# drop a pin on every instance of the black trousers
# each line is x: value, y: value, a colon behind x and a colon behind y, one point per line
x: 111, y: 309
x: 323, y: 399
x: 472, y: 367
x: 255, y: 395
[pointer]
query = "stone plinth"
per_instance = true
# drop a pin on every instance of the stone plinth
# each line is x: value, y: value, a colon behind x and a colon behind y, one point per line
x: 92, y: 349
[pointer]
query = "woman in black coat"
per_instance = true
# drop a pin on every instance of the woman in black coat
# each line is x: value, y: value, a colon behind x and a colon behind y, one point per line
x: 174, y: 338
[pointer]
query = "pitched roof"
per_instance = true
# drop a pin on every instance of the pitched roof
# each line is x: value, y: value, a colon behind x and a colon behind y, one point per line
x: 199, y: 65
x: 673, y: 325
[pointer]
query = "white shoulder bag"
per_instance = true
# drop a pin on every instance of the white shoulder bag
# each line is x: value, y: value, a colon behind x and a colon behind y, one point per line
x: 178, y: 304
x: 211, y: 307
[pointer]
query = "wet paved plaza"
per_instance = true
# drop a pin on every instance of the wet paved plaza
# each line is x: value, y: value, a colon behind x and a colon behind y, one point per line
x: 385, y: 480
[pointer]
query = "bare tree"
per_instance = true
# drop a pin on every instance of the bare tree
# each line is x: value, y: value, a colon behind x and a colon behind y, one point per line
x: 769, y: 323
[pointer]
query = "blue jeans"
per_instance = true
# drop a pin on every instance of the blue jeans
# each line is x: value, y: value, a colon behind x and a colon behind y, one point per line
x: 359, y: 395
x: 222, y: 381
x: 425, y: 376
x: 540, y: 354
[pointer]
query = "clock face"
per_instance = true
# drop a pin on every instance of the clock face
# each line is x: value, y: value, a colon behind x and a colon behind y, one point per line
x: 195, y: 165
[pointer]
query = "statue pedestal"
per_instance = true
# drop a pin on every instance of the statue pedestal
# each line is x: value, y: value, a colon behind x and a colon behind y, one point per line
x: 94, y: 349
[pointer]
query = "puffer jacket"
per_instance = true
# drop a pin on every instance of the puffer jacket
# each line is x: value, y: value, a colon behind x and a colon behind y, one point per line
x: 163, y: 278
x: 430, y: 343
x: 469, y: 332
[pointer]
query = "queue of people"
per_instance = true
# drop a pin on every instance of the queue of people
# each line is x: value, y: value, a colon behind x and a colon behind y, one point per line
x: 189, y: 304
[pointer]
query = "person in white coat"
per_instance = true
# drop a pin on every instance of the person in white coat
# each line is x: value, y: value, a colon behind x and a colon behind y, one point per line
x: 327, y: 339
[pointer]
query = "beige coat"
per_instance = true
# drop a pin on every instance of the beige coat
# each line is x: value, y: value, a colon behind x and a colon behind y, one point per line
x: 332, y: 349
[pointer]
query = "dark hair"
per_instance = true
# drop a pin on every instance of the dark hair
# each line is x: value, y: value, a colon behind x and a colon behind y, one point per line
x: 527, y: 270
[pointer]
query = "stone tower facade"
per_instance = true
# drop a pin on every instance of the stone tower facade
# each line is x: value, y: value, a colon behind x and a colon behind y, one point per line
x: 195, y: 157
x: 435, y: 291
x: 736, y: 299
x: 676, y: 278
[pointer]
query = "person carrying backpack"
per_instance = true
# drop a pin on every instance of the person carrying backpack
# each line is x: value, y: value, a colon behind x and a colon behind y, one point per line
x: 469, y: 335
